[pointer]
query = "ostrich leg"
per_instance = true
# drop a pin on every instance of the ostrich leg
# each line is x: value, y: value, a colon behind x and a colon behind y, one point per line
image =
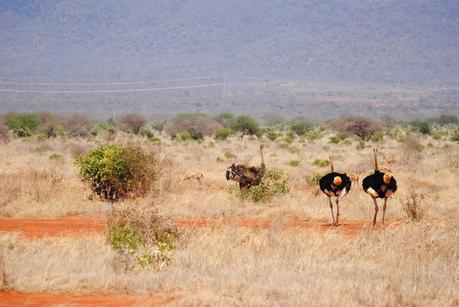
x: 384, y: 210
x: 337, y: 211
x: 376, y: 211
x: 331, y: 208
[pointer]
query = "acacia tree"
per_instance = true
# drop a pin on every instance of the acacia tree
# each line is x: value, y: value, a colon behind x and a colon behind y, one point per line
x: 363, y: 127
x: 132, y: 123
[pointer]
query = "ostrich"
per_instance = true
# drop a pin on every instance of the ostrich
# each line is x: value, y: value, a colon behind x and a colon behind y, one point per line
x: 245, y: 175
x: 379, y: 185
x: 335, y: 185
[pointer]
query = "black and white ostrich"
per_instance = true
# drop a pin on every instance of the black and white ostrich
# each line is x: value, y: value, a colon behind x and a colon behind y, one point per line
x: 247, y: 176
x: 335, y: 185
x: 379, y: 185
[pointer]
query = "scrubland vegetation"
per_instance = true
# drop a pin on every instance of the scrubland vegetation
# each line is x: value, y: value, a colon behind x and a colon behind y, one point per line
x: 130, y: 173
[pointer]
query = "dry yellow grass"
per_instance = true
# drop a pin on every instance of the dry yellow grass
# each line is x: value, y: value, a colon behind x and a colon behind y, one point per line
x: 404, y: 264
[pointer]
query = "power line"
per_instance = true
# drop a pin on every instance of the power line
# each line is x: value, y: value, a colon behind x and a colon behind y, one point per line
x: 107, y: 83
x: 8, y: 90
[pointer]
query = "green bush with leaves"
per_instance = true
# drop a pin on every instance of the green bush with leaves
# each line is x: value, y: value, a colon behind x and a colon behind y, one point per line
x: 335, y: 139
x: 145, y: 238
x: 271, y: 134
x: 22, y: 125
x: 455, y: 137
x: 223, y: 133
x: 313, y: 180
x: 246, y: 124
x: 421, y: 126
x: 229, y: 155
x: 377, y: 136
x: 274, y: 183
x: 301, y: 126
x: 115, y: 172
x: 294, y: 163
x: 321, y: 163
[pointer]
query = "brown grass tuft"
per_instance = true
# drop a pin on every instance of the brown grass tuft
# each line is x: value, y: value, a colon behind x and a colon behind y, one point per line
x: 412, y: 206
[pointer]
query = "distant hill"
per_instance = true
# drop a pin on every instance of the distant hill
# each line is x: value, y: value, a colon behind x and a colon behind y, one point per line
x: 345, y: 40
x: 318, y: 58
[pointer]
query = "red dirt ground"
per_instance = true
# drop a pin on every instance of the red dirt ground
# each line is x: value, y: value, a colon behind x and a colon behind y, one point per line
x: 12, y: 298
x: 87, y: 226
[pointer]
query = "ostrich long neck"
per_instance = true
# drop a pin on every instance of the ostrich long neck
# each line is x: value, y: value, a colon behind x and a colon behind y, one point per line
x: 263, y: 166
x: 332, y: 167
x: 376, y: 160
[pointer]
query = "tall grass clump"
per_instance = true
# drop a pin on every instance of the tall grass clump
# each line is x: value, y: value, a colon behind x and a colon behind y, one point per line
x: 412, y: 206
x: 274, y: 183
x: 115, y: 171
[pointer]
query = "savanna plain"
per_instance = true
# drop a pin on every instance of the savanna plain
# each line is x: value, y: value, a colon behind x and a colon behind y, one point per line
x: 216, y: 248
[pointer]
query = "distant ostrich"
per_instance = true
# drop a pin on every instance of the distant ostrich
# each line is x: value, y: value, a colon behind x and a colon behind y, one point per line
x: 197, y: 175
x: 380, y: 185
x: 245, y: 175
x: 335, y: 185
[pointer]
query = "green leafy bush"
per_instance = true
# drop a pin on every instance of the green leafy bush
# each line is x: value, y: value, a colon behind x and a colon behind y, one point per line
x: 455, y: 137
x: 289, y: 137
x: 313, y: 180
x: 274, y: 183
x: 143, y: 236
x: 294, y: 150
x: 22, y: 125
x: 321, y: 163
x: 271, y: 134
x: 223, y: 133
x: 422, y: 126
x: 229, y: 155
x: 115, y: 172
x: 301, y: 126
x: 294, y: 163
x: 313, y: 135
x: 226, y: 119
x: 335, y: 139
x: 157, y: 126
x: 377, y: 136
x: 246, y: 124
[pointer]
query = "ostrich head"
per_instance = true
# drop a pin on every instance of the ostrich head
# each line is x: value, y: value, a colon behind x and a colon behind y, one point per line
x: 232, y: 173
x: 387, y: 177
x: 337, y: 180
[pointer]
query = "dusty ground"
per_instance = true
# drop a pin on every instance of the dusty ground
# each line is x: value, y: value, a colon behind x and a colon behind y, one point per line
x: 233, y: 252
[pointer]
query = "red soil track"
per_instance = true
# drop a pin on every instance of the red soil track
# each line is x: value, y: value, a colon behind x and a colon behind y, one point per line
x: 12, y: 298
x: 89, y: 226
x: 31, y: 227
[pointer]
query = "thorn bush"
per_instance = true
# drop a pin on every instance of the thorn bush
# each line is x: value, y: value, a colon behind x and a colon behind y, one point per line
x: 115, y: 172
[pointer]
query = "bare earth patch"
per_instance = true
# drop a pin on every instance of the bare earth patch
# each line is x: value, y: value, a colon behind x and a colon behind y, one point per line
x: 37, y: 228
x: 12, y: 298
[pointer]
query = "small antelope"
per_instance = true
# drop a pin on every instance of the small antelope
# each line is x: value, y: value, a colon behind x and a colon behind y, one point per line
x: 198, y: 175
x: 390, y: 162
x: 355, y: 176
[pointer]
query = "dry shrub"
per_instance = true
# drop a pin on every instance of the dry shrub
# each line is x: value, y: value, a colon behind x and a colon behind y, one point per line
x: 363, y: 127
x: 195, y: 123
x: 132, y: 123
x: 4, y: 134
x: 37, y: 185
x: 77, y: 150
x: 141, y: 236
x: 412, y: 206
x: 78, y: 125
